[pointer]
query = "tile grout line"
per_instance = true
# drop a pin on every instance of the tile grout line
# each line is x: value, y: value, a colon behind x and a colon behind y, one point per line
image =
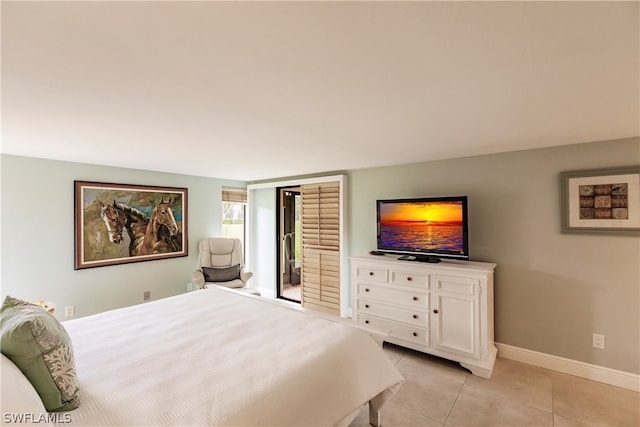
x: 444, y: 424
x: 404, y: 354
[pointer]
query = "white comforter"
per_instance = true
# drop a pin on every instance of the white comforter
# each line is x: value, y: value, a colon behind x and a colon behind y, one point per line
x: 215, y: 357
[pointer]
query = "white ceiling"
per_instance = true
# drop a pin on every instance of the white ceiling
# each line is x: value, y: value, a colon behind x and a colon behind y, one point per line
x: 257, y: 90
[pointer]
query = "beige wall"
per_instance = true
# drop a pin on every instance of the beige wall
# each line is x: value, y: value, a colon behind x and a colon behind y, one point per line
x: 37, y: 236
x: 552, y: 290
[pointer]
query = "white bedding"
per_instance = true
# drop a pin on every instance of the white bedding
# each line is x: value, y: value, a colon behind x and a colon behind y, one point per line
x: 215, y: 357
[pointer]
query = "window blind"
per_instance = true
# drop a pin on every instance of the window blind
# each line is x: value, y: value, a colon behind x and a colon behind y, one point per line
x: 234, y: 195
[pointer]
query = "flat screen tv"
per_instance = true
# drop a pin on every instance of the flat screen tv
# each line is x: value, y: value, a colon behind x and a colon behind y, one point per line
x: 424, y: 229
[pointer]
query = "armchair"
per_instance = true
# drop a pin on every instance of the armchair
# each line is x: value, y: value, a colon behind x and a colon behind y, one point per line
x: 220, y: 263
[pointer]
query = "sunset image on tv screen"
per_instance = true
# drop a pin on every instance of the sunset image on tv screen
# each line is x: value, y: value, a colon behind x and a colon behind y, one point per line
x: 422, y: 226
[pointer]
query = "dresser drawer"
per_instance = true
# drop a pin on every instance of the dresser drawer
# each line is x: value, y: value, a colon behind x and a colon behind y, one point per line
x: 412, y: 334
x: 418, y: 299
x: 403, y: 278
x: 372, y: 274
x: 401, y: 314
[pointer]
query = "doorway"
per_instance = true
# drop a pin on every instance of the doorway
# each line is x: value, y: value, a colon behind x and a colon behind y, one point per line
x: 289, y: 236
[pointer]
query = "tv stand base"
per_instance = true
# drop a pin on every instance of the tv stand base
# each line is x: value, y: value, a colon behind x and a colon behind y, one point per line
x: 441, y: 309
x: 418, y: 258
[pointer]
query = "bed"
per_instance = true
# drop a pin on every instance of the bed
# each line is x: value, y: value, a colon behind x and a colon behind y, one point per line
x: 218, y: 357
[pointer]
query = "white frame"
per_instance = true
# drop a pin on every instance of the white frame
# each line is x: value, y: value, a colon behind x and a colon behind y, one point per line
x: 345, y: 290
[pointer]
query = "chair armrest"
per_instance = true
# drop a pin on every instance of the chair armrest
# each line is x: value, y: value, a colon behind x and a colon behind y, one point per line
x: 197, y: 278
x: 245, y: 275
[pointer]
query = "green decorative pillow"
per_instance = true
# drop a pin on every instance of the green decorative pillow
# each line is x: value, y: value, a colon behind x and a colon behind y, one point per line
x: 225, y: 274
x: 39, y: 346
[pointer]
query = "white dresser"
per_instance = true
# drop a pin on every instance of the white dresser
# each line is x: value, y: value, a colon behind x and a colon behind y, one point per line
x: 444, y: 309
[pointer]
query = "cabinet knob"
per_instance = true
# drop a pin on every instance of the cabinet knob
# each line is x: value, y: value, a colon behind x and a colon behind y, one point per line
x: 366, y: 289
x: 409, y: 279
x: 366, y: 321
x: 415, y: 316
x: 435, y: 311
x: 415, y: 334
x: 415, y: 298
x: 366, y: 306
x: 371, y: 273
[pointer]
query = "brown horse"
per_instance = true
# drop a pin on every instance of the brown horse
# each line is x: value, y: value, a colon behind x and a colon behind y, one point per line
x: 115, y: 221
x: 162, y: 230
x: 119, y: 217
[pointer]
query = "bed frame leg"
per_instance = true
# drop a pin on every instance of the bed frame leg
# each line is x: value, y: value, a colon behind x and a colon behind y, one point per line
x: 374, y: 414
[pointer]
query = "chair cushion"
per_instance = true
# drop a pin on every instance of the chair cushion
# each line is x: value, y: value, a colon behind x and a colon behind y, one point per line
x: 219, y: 252
x: 38, y: 345
x: 212, y: 274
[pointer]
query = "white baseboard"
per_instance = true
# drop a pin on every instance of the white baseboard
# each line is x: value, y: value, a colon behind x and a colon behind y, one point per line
x: 573, y: 367
x: 267, y: 292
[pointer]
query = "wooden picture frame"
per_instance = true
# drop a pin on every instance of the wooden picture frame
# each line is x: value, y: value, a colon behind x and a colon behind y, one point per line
x: 601, y: 201
x: 123, y: 223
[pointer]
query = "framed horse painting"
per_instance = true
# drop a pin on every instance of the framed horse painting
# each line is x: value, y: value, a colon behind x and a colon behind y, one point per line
x: 122, y: 223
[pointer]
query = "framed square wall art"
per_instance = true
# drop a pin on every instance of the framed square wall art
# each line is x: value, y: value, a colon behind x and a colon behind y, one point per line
x: 122, y: 223
x: 602, y: 200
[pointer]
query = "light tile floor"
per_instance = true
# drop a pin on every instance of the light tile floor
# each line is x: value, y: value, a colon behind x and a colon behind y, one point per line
x: 292, y: 292
x: 440, y: 393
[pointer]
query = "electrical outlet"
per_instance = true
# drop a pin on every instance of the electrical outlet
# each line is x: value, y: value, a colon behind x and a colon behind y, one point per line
x: 189, y: 287
x: 146, y: 296
x: 598, y: 341
x: 69, y: 311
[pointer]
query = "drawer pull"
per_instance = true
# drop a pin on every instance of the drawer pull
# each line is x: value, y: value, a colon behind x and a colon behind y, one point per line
x: 415, y: 298
x: 371, y: 273
x: 366, y: 321
x: 366, y: 306
x: 366, y: 289
x: 409, y: 279
x: 415, y: 316
x: 415, y: 334
x: 435, y: 311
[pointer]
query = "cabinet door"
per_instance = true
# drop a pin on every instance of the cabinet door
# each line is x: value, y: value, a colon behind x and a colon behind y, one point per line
x: 456, y: 313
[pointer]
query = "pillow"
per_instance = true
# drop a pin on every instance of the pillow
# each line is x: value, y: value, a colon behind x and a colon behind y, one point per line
x: 221, y: 274
x: 18, y: 395
x: 39, y: 346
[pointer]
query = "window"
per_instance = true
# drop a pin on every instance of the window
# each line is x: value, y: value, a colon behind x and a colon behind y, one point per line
x: 234, y: 203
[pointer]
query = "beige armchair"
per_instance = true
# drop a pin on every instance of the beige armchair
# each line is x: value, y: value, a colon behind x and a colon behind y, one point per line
x: 220, y: 263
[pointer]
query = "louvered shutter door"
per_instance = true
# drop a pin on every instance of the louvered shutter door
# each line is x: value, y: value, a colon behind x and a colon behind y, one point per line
x: 321, y: 247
